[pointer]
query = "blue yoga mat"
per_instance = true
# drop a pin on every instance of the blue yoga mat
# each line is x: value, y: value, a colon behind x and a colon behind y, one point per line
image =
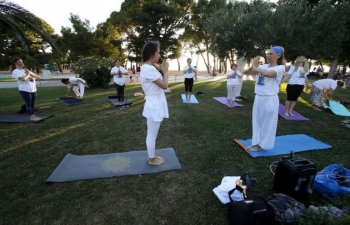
x: 193, y: 99
x: 337, y: 108
x: 74, y: 167
x: 284, y: 145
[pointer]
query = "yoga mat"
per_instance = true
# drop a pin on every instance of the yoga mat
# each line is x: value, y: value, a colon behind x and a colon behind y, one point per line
x: 337, y: 108
x: 21, y: 118
x: 70, y: 100
x: 297, y: 116
x: 284, y: 144
x: 193, y: 99
x: 114, y: 100
x: 74, y: 167
x: 223, y: 100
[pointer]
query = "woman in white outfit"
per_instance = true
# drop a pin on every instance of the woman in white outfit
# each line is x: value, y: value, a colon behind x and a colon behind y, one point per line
x: 233, y: 76
x: 78, y: 85
x: 266, y: 102
x: 26, y: 85
x: 156, y: 107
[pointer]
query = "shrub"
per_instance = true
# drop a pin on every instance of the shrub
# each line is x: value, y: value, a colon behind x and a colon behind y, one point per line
x: 95, y: 71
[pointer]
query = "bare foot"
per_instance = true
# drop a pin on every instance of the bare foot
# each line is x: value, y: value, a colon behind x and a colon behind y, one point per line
x: 254, y: 148
x: 156, y: 161
x: 291, y: 114
x: 286, y: 114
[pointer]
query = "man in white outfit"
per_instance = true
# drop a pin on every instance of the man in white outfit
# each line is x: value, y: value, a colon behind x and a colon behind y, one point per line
x: 77, y: 84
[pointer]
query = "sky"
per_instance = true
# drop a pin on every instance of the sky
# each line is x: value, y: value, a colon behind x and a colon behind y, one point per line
x: 57, y: 12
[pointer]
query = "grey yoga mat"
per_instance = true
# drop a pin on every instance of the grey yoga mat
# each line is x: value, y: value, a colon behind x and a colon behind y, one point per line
x: 73, y: 167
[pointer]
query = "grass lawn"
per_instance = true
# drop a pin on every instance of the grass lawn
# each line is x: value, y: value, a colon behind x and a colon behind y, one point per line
x: 202, y: 136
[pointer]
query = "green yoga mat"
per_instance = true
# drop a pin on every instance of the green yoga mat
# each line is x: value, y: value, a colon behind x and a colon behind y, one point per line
x: 73, y: 167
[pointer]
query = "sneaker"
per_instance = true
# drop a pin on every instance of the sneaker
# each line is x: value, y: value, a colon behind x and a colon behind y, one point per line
x: 238, y: 100
x: 122, y: 108
x: 127, y: 106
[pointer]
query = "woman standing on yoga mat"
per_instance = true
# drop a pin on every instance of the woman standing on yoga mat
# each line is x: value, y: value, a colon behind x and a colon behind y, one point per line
x: 297, y: 76
x: 156, y: 107
x: 189, y: 73
x: 119, y: 81
x: 26, y: 85
x: 233, y: 77
x: 323, y: 88
x: 266, y: 102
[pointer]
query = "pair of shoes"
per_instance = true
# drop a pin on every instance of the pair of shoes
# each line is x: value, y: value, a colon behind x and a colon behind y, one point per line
x: 156, y: 161
x: 122, y: 108
x: 238, y: 100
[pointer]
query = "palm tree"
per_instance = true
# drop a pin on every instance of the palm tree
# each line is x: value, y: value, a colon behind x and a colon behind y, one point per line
x: 18, y: 19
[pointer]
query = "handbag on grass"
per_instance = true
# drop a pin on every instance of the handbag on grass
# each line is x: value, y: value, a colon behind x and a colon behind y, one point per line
x: 251, y: 211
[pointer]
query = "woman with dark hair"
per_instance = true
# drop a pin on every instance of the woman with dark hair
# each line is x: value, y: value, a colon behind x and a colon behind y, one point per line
x: 323, y: 88
x: 26, y: 85
x: 297, y: 76
x: 266, y: 102
x: 119, y: 81
x: 156, y: 107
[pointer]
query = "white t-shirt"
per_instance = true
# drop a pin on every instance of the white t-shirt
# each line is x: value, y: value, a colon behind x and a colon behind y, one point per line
x: 29, y: 85
x: 119, y: 79
x: 233, y: 81
x: 297, y: 76
x: 191, y: 73
x: 156, y: 106
x: 73, y: 81
x: 269, y: 85
x: 325, y: 84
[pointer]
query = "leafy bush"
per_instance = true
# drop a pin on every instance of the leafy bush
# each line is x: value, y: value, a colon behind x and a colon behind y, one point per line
x: 95, y: 71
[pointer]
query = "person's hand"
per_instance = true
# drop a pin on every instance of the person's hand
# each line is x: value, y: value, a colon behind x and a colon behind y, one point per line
x: 255, y: 62
x: 87, y: 86
x: 164, y: 67
x: 307, y: 88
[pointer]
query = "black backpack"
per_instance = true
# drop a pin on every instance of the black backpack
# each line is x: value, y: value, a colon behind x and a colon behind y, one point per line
x: 251, y: 211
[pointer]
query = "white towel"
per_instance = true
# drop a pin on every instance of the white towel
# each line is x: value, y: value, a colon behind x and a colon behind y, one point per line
x: 227, y: 184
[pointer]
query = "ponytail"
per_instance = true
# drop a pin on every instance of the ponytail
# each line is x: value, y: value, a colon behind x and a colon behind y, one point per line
x: 13, y: 65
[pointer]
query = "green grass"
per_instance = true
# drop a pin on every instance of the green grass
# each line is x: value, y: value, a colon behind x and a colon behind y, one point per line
x: 202, y: 136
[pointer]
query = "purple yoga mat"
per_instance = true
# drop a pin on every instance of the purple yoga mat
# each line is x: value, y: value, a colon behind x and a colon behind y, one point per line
x: 296, y: 116
x: 223, y: 100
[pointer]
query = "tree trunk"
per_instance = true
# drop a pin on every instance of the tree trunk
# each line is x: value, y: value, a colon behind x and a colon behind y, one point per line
x: 178, y: 64
x: 333, y: 68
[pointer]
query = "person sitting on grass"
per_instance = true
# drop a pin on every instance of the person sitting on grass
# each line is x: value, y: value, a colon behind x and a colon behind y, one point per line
x: 323, y: 89
x: 78, y: 85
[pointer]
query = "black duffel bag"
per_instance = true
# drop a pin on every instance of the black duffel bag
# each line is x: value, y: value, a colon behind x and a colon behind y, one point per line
x: 251, y: 211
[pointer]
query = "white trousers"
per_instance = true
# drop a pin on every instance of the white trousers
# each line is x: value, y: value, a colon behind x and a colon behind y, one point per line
x: 78, y: 87
x: 152, y: 132
x: 265, y: 117
x: 232, y: 92
x: 239, y: 87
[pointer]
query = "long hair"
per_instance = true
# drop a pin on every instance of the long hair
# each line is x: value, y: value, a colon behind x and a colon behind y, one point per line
x: 281, y: 60
x: 13, y: 64
x: 149, y: 49
x: 305, y: 64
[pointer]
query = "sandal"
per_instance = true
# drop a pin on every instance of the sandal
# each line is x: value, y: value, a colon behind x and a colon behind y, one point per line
x: 156, y: 161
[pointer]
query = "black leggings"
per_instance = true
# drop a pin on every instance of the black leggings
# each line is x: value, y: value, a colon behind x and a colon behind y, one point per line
x: 120, y: 92
x: 294, y: 91
x: 188, y: 84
